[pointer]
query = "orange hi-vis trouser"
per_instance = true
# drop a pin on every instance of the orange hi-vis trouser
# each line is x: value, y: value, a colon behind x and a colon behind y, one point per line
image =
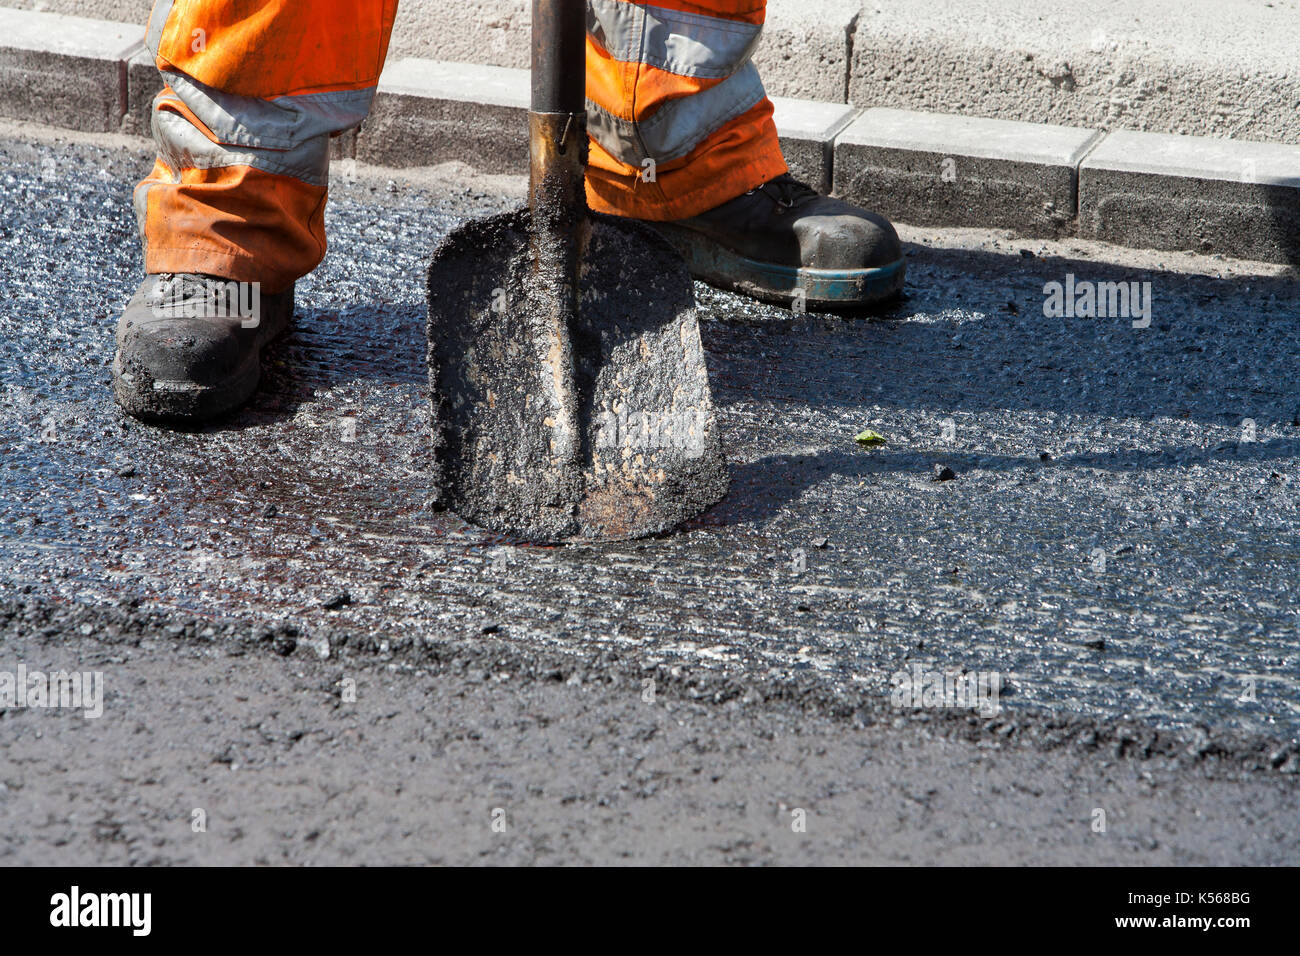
x: 678, y: 119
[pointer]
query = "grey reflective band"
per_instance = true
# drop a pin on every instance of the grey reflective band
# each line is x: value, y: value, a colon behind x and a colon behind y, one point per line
x: 280, y: 123
x: 679, y: 125
x: 181, y: 145
x: 162, y: 9
x: 688, y: 44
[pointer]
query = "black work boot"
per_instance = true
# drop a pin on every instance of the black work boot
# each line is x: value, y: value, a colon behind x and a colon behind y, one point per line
x: 189, y: 346
x: 785, y: 242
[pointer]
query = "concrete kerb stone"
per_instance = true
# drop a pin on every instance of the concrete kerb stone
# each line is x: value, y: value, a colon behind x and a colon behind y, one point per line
x: 936, y: 169
x: 1193, y: 193
x: 143, y: 83
x: 64, y: 71
x: 807, y: 130
x: 428, y: 112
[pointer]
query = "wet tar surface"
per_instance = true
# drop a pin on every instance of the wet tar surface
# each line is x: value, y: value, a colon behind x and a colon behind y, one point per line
x: 1117, y: 534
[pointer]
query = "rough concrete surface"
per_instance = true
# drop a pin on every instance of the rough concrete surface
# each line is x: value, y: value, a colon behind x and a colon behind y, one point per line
x: 1178, y: 192
x: 1204, y: 68
x: 1117, y: 535
x: 1224, y: 69
x: 804, y: 51
x: 65, y: 71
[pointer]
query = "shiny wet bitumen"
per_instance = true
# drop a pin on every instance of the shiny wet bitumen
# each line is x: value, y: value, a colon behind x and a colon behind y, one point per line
x: 1120, y: 538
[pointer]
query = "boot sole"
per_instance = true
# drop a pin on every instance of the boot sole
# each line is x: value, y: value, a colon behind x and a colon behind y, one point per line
x: 823, y: 289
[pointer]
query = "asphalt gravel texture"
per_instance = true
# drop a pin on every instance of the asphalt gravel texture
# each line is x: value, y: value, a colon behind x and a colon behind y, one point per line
x: 1106, y: 516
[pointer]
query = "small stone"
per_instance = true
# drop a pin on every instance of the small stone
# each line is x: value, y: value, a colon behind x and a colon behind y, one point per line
x: 1027, y: 254
x: 1278, y: 757
x: 126, y: 471
x: 1044, y: 456
x: 943, y: 473
x: 270, y: 511
x: 820, y: 542
x: 336, y: 600
x: 492, y: 627
x: 1097, y: 645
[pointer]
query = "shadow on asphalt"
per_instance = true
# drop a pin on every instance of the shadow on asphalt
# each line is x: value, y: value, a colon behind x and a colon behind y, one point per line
x: 1216, y: 350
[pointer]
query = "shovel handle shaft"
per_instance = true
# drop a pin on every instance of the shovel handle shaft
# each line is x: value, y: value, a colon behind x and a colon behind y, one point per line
x: 559, y: 56
x: 557, y: 202
x: 557, y: 122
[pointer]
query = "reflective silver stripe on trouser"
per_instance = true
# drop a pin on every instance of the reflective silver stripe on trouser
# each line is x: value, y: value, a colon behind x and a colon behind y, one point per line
x: 679, y: 125
x: 688, y: 44
x: 287, y: 135
x: 282, y: 122
x: 162, y: 9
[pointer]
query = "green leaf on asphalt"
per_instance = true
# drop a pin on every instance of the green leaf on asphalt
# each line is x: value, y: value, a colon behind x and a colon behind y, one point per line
x: 868, y: 438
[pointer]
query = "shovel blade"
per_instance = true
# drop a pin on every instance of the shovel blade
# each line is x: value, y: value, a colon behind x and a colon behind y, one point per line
x: 649, y: 455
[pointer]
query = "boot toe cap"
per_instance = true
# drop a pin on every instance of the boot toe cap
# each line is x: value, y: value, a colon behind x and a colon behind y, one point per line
x: 853, y: 239
x: 200, y: 353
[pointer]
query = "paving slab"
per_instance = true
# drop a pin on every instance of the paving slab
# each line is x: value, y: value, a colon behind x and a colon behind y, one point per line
x: 62, y: 70
x: 962, y: 171
x: 805, y: 49
x: 1156, y: 191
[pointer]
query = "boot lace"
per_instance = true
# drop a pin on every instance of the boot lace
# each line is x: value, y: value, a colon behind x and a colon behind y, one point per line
x: 786, y: 191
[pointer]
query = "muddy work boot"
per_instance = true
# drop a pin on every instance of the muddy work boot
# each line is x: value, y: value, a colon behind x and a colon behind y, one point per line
x: 189, y: 346
x: 785, y: 242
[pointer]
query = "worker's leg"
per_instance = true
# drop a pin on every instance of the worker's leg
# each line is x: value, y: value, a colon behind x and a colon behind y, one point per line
x: 682, y: 135
x: 678, y: 115
x: 255, y: 89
